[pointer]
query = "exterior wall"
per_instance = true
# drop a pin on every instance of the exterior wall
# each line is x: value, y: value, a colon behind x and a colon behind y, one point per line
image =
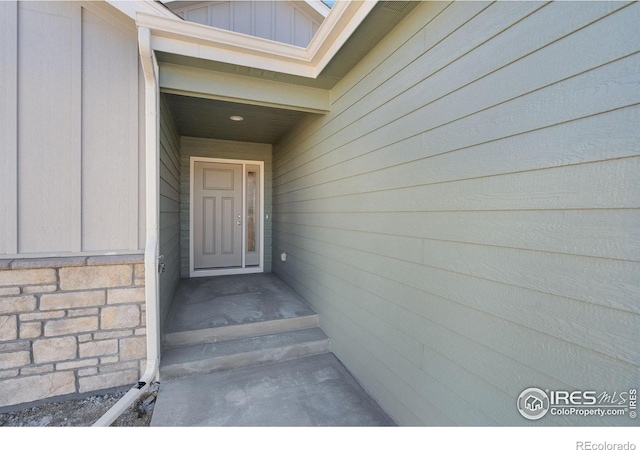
x: 213, y: 148
x: 70, y: 325
x: 71, y: 188
x: 69, y: 111
x: 289, y: 22
x: 169, y: 209
x: 465, y: 220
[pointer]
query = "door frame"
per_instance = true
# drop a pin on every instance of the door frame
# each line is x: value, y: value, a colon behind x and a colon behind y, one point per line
x: 232, y: 270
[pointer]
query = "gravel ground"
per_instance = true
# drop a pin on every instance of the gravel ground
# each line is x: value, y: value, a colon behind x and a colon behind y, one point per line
x: 84, y: 412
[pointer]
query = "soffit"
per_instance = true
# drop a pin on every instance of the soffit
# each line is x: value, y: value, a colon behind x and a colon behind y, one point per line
x: 206, y: 118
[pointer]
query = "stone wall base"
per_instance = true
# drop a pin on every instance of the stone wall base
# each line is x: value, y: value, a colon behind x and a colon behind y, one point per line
x: 70, y: 325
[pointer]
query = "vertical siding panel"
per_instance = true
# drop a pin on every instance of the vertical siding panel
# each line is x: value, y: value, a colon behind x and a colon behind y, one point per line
x: 49, y: 68
x: 241, y: 17
x: 9, y: 127
x: 110, y: 137
x: 200, y: 15
x: 221, y: 15
x: 132, y: 148
x: 301, y: 29
x: 263, y: 22
x: 76, y: 130
x: 284, y: 23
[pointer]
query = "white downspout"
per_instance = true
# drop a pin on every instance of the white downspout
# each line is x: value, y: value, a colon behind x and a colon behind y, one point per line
x: 150, y: 70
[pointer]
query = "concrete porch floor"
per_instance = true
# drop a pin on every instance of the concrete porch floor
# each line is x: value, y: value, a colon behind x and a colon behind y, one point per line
x: 312, y: 391
x: 210, y: 314
x: 216, y: 302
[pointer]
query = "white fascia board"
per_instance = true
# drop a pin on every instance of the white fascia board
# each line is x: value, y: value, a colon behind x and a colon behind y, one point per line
x: 206, y: 35
x: 204, y: 42
x: 132, y: 7
x: 173, y: 35
x: 325, y: 44
x: 259, y: 60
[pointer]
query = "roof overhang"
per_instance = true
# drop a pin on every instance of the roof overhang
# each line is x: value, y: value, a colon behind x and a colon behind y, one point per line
x: 171, y: 34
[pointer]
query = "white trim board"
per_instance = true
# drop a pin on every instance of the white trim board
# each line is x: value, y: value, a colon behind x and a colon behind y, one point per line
x: 173, y: 35
x: 231, y: 270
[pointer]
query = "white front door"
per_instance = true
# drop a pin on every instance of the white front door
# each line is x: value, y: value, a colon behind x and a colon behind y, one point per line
x: 226, y: 216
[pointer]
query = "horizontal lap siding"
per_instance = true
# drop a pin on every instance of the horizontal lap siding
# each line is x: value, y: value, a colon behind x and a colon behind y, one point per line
x: 466, y: 220
x: 169, y: 208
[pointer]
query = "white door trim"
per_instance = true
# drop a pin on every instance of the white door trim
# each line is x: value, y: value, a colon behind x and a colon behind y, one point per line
x: 234, y: 270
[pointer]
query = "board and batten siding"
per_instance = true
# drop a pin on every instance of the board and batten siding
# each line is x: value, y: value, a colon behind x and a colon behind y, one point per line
x: 466, y: 218
x: 288, y: 22
x: 216, y: 148
x: 169, y: 208
x: 70, y: 155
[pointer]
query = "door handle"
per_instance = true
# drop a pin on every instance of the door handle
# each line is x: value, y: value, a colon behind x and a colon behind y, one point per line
x: 239, y: 223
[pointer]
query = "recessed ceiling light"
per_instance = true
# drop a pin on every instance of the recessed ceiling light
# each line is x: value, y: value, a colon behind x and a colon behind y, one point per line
x: 236, y: 118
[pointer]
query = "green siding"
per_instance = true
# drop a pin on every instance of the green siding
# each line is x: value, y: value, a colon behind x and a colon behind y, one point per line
x: 169, y: 208
x: 465, y: 219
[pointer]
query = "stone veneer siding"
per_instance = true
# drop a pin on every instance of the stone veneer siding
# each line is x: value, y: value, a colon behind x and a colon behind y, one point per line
x: 70, y: 325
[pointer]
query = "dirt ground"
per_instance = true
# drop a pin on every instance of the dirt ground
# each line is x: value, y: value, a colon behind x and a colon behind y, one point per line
x: 84, y: 412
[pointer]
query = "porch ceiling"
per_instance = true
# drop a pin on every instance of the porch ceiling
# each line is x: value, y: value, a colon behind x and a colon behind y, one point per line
x: 206, y: 118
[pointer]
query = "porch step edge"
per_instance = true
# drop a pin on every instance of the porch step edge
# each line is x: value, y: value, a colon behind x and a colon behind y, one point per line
x: 244, y: 352
x: 220, y: 334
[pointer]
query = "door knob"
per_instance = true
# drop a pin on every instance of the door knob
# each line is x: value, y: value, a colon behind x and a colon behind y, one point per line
x: 239, y: 223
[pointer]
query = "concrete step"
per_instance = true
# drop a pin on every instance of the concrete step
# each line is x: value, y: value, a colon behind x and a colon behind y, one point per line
x: 242, y: 352
x: 229, y: 332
